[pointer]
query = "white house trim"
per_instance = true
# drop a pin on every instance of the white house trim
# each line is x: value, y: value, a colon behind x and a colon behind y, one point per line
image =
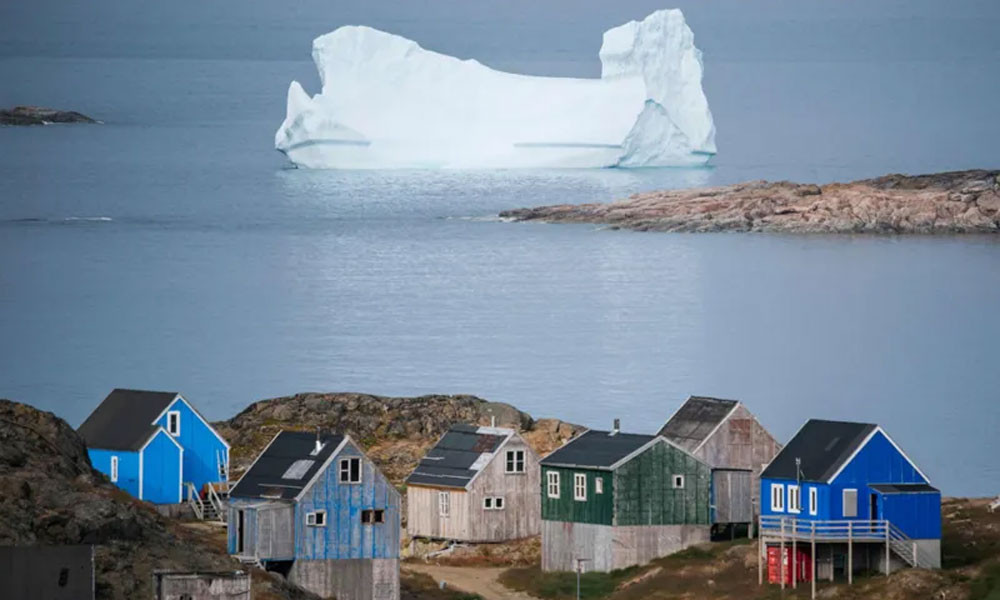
x: 180, y: 466
x: 878, y: 429
x: 497, y: 453
x: 172, y: 413
x: 326, y: 464
x: 649, y: 445
x: 196, y: 413
x: 140, y: 476
x: 180, y: 476
x: 153, y: 436
x: 716, y: 428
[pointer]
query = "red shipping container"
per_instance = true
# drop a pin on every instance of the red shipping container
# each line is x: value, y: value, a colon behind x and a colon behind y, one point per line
x: 803, y: 563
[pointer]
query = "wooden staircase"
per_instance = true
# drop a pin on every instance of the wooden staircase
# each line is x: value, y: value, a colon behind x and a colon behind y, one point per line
x: 215, y: 508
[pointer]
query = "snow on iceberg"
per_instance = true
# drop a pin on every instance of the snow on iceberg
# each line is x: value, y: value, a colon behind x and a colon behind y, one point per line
x: 388, y: 103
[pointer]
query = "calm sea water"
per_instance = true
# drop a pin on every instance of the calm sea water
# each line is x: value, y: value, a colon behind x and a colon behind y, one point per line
x: 172, y: 248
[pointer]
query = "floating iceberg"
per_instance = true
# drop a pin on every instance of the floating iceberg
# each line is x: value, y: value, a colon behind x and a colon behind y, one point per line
x: 388, y: 103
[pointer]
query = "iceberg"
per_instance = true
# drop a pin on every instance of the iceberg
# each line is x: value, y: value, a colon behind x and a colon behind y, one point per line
x: 386, y: 102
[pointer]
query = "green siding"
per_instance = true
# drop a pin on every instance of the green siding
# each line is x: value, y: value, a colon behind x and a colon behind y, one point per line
x: 598, y: 508
x: 645, y: 494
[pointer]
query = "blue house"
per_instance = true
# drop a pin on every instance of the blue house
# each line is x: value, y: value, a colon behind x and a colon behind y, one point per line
x: 852, y: 488
x: 153, y: 444
x: 316, y: 509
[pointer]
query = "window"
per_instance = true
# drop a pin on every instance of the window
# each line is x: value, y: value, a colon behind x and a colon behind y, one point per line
x: 316, y: 518
x: 850, y: 503
x: 552, y: 479
x: 813, y: 501
x: 598, y: 485
x: 493, y: 503
x: 580, y: 486
x: 114, y: 469
x: 678, y: 482
x: 444, y: 504
x: 371, y: 516
x: 350, y: 470
x: 515, y: 461
x: 498, y: 503
x: 174, y: 423
x: 794, y: 499
x: 777, y: 497
x: 488, y: 503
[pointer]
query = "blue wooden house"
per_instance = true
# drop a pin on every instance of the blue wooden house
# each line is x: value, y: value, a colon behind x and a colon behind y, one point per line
x: 154, y: 444
x: 316, y: 509
x: 850, y: 488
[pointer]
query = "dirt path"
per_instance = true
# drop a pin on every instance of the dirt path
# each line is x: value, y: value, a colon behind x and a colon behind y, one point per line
x: 473, y: 580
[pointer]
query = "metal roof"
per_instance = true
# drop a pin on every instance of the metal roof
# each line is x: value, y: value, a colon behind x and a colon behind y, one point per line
x: 124, y: 420
x: 459, y: 455
x: 597, y: 449
x: 903, y: 488
x: 696, y: 420
x: 272, y: 475
x: 822, y: 446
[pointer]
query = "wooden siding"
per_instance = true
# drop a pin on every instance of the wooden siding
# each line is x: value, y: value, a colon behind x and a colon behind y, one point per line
x: 128, y: 467
x: 611, y: 547
x: 597, y: 509
x: 644, y: 492
x: 161, y: 470
x: 348, y: 579
x: 275, y: 529
x: 732, y: 496
x: 423, y: 518
x: 202, y: 447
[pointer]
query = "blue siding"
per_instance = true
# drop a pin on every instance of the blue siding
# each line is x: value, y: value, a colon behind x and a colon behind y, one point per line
x: 201, y: 446
x: 128, y: 467
x: 344, y: 535
x: 916, y: 515
x: 161, y: 470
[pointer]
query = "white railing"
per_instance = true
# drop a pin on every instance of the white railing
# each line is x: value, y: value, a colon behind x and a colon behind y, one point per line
x: 194, y: 501
x: 217, y: 503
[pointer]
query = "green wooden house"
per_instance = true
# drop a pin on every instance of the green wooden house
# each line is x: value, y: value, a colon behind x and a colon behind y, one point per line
x: 615, y: 499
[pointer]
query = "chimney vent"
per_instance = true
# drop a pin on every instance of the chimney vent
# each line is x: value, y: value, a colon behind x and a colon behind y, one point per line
x: 493, y: 421
x: 319, y: 444
x: 617, y: 428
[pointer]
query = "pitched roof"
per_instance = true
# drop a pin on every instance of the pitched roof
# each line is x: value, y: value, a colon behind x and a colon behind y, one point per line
x: 124, y: 420
x: 597, y: 449
x: 696, y: 420
x: 822, y: 446
x: 459, y: 455
x: 903, y: 488
x: 286, y: 466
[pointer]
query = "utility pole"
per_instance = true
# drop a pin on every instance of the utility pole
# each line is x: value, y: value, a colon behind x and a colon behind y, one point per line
x: 579, y: 569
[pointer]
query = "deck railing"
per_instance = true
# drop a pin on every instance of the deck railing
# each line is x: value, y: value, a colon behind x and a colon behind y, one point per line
x: 194, y: 500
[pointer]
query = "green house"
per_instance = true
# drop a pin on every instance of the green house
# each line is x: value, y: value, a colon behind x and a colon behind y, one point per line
x: 614, y: 500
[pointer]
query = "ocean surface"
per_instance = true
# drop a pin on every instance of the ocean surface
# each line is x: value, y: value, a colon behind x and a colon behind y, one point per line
x: 173, y: 248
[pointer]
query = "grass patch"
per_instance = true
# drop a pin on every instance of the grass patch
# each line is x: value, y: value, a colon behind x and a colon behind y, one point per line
x: 418, y: 586
x: 987, y: 585
x: 562, y: 585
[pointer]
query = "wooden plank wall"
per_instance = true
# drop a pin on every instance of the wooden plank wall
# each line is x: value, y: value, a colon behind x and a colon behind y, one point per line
x: 521, y: 515
x: 276, y: 532
x: 731, y: 494
x: 422, y: 514
x: 597, y: 509
x: 644, y: 492
x: 349, y: 579
x: 608, y: 547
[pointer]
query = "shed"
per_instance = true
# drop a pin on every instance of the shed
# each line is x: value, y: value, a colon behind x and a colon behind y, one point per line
x: 477, y: 484
x: 618, y: 499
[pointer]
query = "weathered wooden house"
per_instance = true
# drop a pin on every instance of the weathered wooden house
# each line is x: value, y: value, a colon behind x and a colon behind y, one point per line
x: 316, y: 509
x: 726, y: 436
x: 845, y: 494
x: 477, y: 484
x: 154, y: 445
x: 614, y: 500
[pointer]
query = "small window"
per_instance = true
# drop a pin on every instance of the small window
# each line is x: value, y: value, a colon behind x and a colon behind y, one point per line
x: 444, y: 504
x: 552, y: 479
x: 678, y: 482
x: 174, y: 423
x: 487, y: 503
x: 379, y: 515
x: 580, y: 487
x: 777, y: 497
x: 366, y: 517
x: 316, y: 518
x: 350, y: 470
x: 850, y: 503
x: 598, y: 485
x: 515, y: 461
x: 371, y: 516
x: 498, y: 503
x: 493, y: 503
x: 114, y: 468
x: 813, y: 501
x: 794, y: 499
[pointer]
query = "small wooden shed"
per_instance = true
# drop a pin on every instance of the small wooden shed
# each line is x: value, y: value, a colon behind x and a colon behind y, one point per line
x: 477, y: 484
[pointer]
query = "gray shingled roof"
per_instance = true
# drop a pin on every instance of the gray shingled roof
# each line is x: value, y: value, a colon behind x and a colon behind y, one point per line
x: 695, y: 420
x: 597, y: 449
x: 458, y: 456
x: 266, y: 476
x: 822, y: 446
x: 124, y: 420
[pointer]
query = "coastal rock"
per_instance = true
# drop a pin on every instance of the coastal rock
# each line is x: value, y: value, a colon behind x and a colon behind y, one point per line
x: 37, y: 115
x: 955, y: 202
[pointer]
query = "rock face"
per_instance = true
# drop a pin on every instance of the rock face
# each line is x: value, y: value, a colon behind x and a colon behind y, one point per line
x: 37, y: 115
x: 956, y: 202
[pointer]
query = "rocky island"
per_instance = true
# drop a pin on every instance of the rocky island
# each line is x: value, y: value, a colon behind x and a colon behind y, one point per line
x: 37, y: 115
x: 954, y: 202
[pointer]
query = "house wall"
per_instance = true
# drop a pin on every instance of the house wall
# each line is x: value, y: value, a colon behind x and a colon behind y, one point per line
x: 521, y: 514
x: 644, y: 492
x: 349, y: 579
x: 202, y: 448
x: 201, y: 586
x: 608, y: 547
x: 731, y: 496
x: 128, y: 467
x: 161, y: 470
x: 345, y: 536
x: 916, y: 515
x: 424, y: 519
x: 596, y: 509
x: 47, y: 572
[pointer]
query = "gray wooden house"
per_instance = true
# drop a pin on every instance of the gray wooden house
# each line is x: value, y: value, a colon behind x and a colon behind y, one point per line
x: 726, y: 436
x: 614, y: 500
x: 477, y: 484
x: 317, y: 510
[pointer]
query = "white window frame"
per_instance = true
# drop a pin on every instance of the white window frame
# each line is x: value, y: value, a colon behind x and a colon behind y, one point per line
x: 580, y: 487
x: 677, y: 482
x: 170, y: 415
x: 444, y: 504
x: 341, y: 471
x: 777, y: 497
x: 843, y: 501
x: 514, y: 458
x: 488, y: 503
x: 493, y: 503
x: 552, y: 484
x: 598, y: 485
x: 813, y: 501
x: 498, y: 503
x: 794, y: 499
x: 114, y: 469
x: 316, y: 518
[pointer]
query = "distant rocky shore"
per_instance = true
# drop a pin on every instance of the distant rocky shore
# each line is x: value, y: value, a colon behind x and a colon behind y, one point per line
x: 37, y: 115
x: 955, y: 202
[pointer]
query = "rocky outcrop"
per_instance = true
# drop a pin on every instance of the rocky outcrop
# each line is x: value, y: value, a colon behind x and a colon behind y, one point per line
x: 956, y: 202
x: 37, y: 115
